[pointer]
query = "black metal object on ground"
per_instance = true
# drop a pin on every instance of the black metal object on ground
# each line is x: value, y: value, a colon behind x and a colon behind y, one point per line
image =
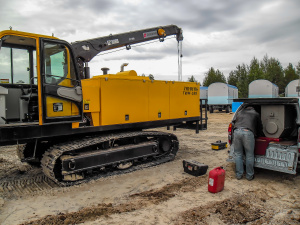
x: 218, y: 145
x: 194, y: 168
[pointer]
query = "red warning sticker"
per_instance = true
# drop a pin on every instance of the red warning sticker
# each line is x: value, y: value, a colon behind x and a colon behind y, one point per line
x: 150, y: 34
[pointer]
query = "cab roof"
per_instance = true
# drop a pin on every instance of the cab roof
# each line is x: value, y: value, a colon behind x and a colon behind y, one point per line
x: 23, y: 34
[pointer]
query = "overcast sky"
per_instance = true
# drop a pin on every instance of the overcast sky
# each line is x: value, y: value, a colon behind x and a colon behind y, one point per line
x: 217, y: 33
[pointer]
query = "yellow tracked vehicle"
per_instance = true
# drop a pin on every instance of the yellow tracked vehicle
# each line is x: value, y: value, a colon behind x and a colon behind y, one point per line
x: 79, y: 127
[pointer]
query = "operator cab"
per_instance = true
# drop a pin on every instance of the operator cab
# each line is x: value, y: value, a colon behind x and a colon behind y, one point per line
x: 18, y: 80
x: 39, y: 81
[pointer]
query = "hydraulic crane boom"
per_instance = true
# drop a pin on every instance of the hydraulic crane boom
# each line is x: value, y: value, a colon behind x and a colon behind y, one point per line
x: 86, y: 50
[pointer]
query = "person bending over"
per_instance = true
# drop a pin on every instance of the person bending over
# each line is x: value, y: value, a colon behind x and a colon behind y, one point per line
x: 247, y: 126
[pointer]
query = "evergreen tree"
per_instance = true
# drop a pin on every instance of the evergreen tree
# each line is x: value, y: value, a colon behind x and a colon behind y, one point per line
x: 255, y: 72
x: 298, y: 69
x: 192, y: 79
x: 290, y: 74
x: 213, y: 76
x: 220, y: 77
x: 264, y: 64
x: 243, y: 83
x: 232, y: 79
x: 210, y: 77
x: 268, y: 68
x: 273, y: 72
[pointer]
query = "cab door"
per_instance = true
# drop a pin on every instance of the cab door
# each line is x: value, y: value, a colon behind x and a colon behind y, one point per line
x: 61, y: 91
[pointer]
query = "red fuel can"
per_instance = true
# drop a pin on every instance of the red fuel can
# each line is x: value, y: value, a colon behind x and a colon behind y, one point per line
x: 216, y: 180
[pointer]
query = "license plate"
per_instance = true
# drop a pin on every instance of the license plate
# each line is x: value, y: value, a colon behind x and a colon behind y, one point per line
x: 278, y: 159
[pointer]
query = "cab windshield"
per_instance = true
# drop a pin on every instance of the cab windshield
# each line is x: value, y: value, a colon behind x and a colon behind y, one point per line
x: 17, y: 62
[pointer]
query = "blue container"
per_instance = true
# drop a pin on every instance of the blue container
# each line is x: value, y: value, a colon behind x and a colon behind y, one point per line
x: 235, y: 106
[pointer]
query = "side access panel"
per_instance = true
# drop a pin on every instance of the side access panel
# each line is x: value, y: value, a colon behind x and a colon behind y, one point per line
x: 184, y: 100
x: 159, y: 100
x: 123, y: 101
x: 91, y: 99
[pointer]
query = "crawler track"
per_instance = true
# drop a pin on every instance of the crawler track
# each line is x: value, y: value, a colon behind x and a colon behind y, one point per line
x: 25, y: 185
x: 51, y: 159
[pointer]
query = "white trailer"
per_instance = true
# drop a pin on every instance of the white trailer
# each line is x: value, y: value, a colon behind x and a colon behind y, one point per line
x: 220, y: 96
x: 263, y: 89
x: 292, y: 89
x: 203, y: 93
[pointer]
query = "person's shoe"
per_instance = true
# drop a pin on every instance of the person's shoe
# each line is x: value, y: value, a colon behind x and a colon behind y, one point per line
x: 239, y: 177
x: 250, y: 178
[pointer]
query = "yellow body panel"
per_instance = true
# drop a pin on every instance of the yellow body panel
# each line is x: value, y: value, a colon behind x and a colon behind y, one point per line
x: 123, y: 101
x: 120, y: 99
x: 66, y: 107
x: 91, y: 99
x: 159, y: 100
x: 75, y: 125
x: 184, y: 99
x: 75, y: 110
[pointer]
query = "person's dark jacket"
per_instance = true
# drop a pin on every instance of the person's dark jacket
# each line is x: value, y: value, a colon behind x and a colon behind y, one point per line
x: 250, y: 119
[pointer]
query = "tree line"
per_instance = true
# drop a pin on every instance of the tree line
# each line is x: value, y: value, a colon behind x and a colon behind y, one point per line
x: 268, y: 68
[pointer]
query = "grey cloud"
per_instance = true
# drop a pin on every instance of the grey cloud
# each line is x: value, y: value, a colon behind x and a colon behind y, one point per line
x: 279, y: 27
x: 192, y: 14
x: 95, y: 6
x: 277, y: 30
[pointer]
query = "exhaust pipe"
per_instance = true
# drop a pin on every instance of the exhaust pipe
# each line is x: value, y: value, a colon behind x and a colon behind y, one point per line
x: 122, y: 66
x: 105, y: 70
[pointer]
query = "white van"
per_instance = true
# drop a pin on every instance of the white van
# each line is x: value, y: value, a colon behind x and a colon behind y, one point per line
x: 279, y: 149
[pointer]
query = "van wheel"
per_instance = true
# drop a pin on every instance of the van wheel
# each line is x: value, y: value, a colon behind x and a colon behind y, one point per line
x: 211, y: 109
x: 227, y: 109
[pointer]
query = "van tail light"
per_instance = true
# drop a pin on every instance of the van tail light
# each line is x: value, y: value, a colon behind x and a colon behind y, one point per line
x: 298, y: 142
x: 230, y: 133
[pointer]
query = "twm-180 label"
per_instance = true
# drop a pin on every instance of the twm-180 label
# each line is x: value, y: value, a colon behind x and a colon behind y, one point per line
x: 190, y: 91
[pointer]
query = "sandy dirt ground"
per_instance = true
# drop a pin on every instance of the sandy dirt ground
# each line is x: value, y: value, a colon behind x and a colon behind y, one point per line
x: 163, y: 194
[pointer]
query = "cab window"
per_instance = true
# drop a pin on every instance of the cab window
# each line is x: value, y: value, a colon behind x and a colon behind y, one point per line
x: 5, y: 65
x: 15, y: 65
x: 58, y: 65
